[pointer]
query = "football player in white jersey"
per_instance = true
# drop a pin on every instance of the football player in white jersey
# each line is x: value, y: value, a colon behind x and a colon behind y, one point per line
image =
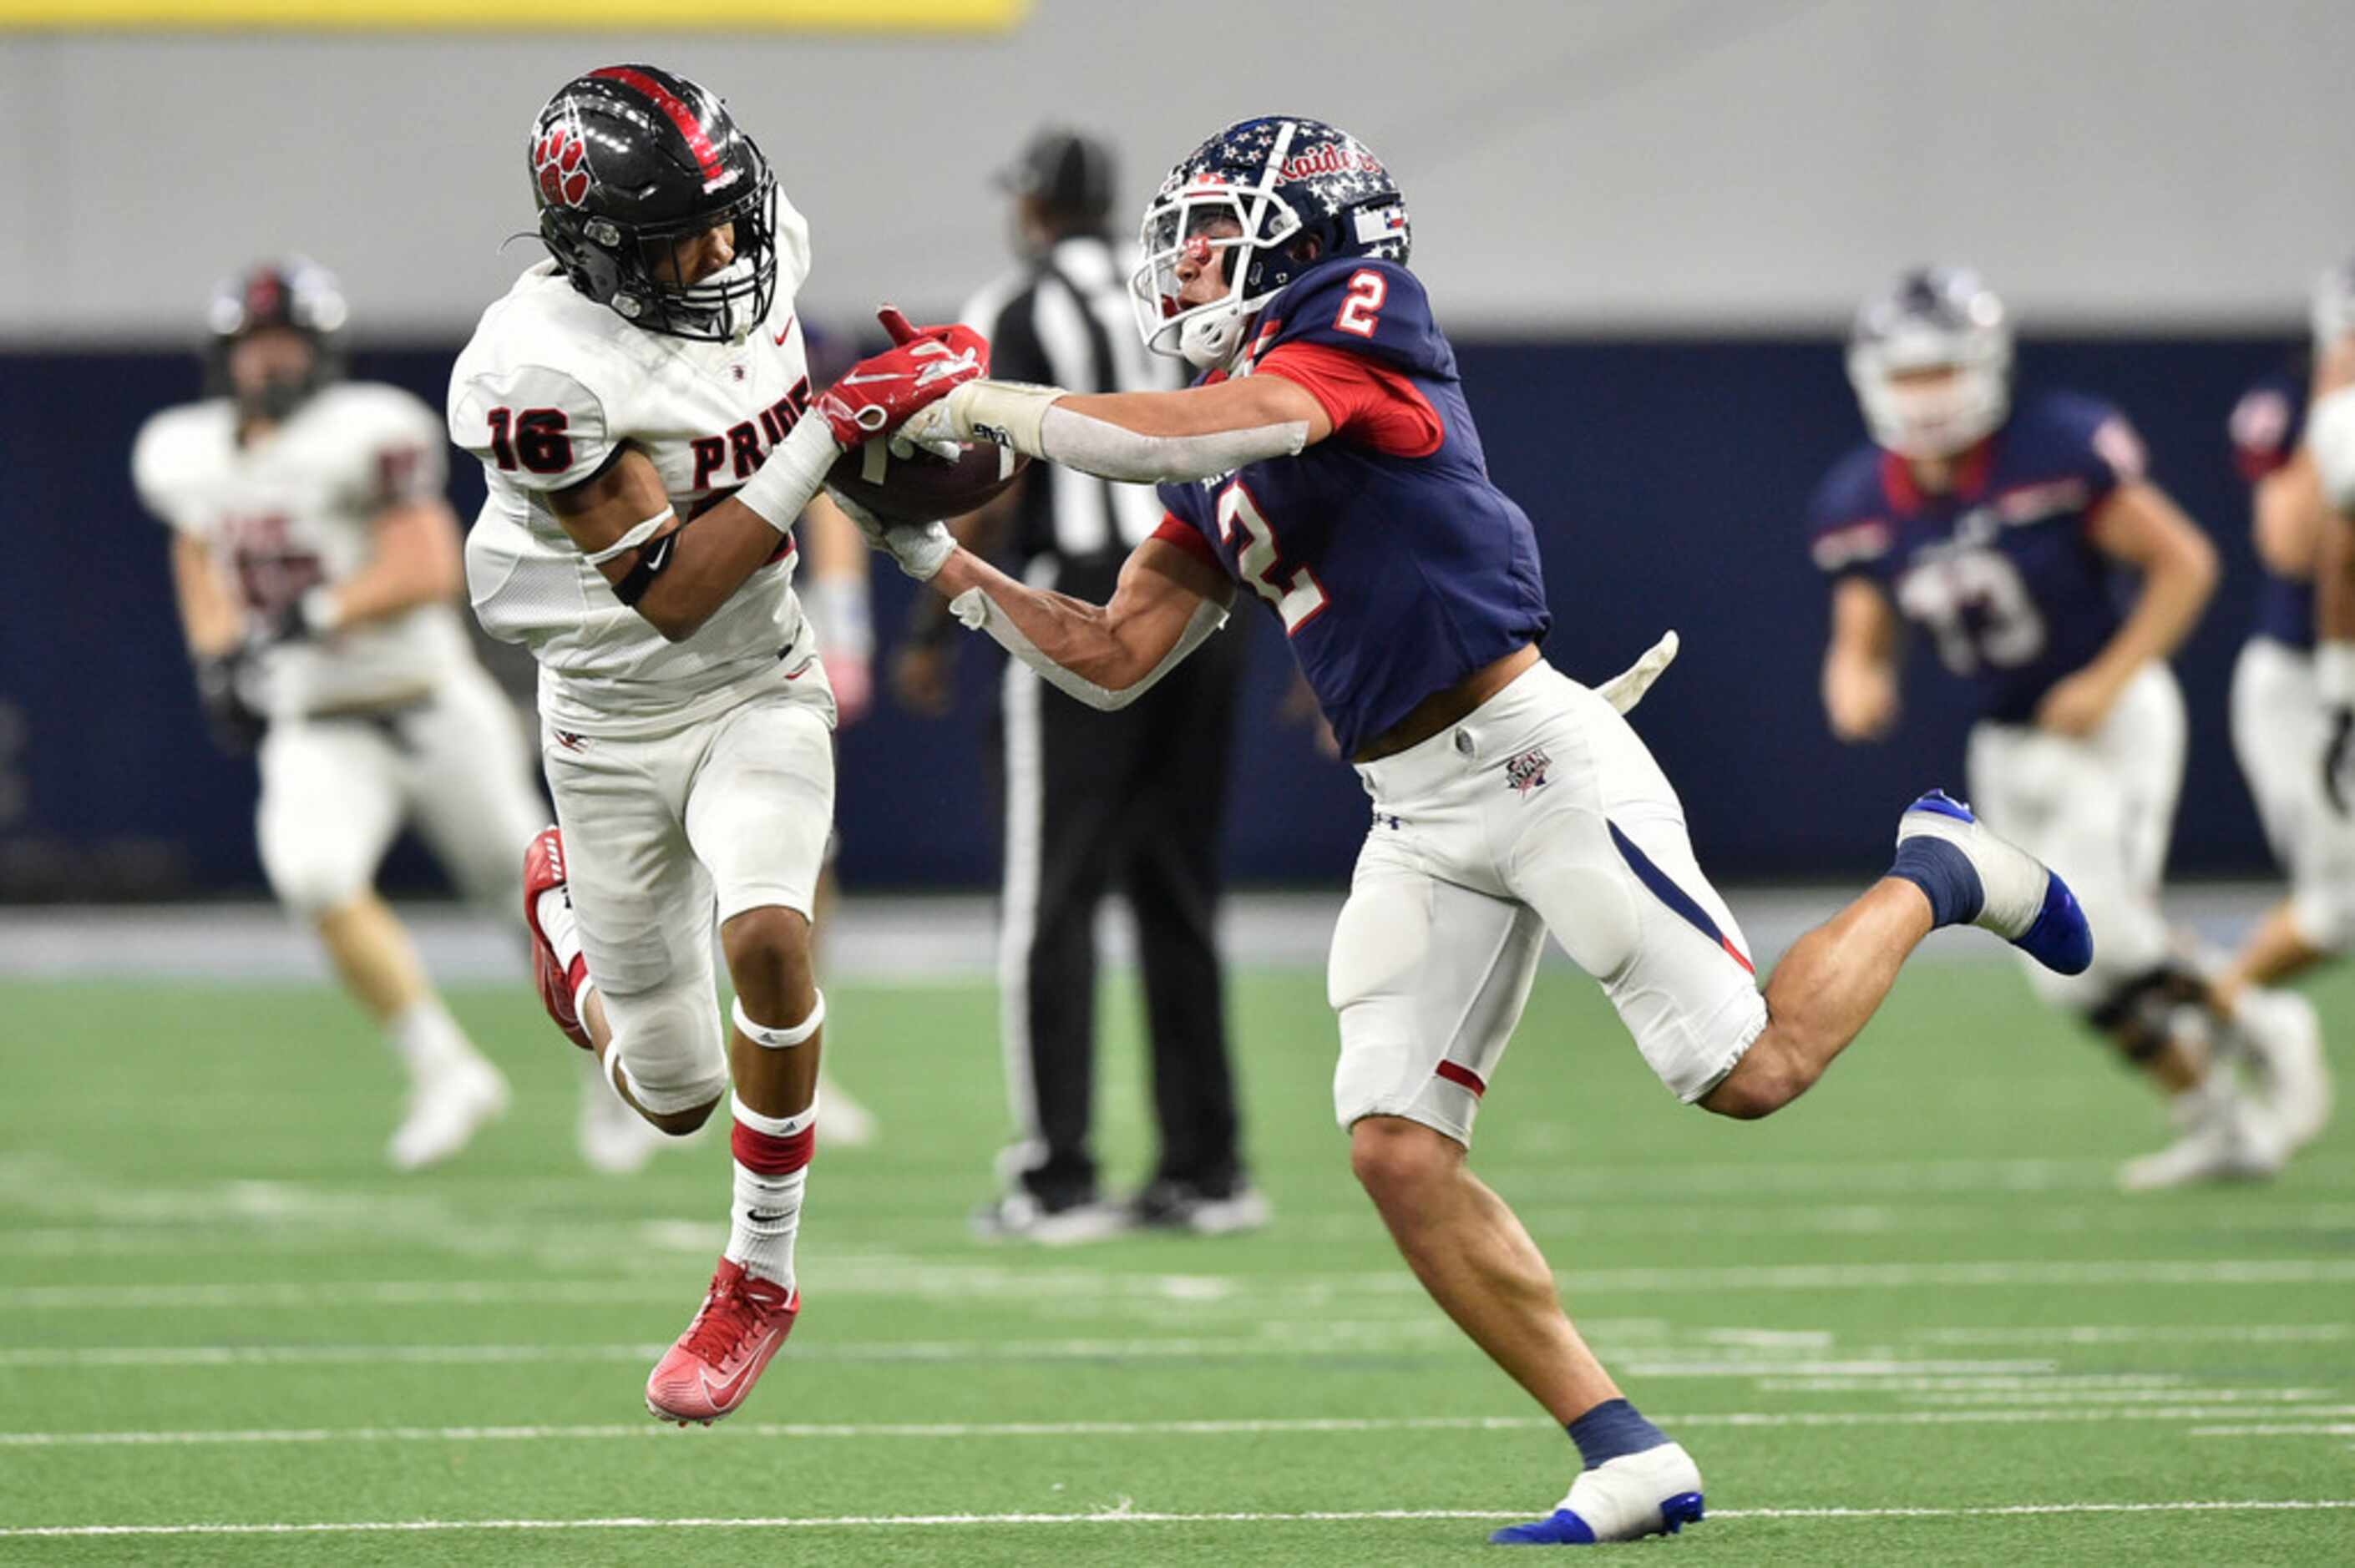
x: 641, y: 408
x: 316, y: 560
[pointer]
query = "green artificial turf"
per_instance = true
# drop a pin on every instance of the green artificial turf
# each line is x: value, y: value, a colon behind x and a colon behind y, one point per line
x: 1916, y: 1289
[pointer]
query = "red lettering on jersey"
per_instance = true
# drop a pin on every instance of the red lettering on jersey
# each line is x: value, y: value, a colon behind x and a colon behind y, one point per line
x: 744, y: 443
x: 1368, y: 403
x: 711, y: 451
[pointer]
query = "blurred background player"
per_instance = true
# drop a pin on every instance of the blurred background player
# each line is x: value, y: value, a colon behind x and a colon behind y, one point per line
x: 2278, y: 716
x: 1135, y: 799
x: 1999, y: 532
x: 641, y: 408
x: 1325, y: 459
x: 314, y: 561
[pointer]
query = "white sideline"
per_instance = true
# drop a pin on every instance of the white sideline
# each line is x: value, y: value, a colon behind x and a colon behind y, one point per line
x: 1065, y: 1285
x: 2046, y: 1415
x: 1122, y: 1515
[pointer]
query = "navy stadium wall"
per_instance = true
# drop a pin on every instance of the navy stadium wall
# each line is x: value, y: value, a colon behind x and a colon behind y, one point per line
x: 1667, y: 478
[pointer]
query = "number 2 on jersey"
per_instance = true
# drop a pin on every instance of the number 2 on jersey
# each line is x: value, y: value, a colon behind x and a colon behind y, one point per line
x: 1367, y: 290
x: 1296, y: 594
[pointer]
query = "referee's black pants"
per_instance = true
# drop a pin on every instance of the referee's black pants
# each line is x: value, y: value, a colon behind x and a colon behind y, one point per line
x: 1134, y: 800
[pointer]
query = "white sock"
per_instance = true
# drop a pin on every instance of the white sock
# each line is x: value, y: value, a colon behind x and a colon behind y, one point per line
x: 563, y: 931
x: 428, y: 1040
x: 772, y: 1155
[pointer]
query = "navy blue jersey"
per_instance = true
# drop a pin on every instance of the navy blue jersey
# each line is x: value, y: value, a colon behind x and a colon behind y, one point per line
x: 1397, y: 567
x: 2266, y: 425
x: 2000, y: 571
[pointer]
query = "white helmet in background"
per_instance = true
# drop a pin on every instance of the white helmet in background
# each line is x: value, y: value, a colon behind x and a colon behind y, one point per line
x: 2334, y: 307
x: 1933, y: 318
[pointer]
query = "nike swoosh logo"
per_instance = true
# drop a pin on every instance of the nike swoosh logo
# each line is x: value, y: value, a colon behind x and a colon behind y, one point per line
x: 863, y: 380
x: 727, y: 1393
x: 785, y: 332
x: 658, y: 553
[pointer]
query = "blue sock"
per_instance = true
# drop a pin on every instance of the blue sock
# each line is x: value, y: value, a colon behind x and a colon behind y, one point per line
x: 1945, y: 877
x: 1613, y: 1428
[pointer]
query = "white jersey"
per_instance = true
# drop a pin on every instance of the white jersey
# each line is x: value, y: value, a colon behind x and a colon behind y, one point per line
x: 297, y: 510
x: 2330, y: 435
x: 549, y: 389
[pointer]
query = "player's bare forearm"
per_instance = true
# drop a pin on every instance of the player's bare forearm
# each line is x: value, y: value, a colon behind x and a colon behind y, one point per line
x: 702, y: 564
x: 1859, y: 676
x: 417, y: 562
x: 2334, y: 581
x: 2142, y: 527
x: 1113, y: 645
x: 208, y: 617
x: 2288, y: 516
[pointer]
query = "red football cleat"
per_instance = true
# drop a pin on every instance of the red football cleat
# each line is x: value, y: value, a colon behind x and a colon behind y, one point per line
x: 543, y: 872
x: 716, y: 1363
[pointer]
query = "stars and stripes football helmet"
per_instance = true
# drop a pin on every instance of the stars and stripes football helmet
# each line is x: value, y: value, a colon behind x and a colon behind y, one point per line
x: 291, y: 291
x: 628, y: 159
x: 1283, y: 180
x: 1933, y: 318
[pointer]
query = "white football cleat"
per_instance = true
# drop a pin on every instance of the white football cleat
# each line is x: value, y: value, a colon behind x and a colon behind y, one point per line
x: 2223, y: 1139
x: 445, y: 1110
x: 1656, y: 1492
x: 2284, y: 1041
x: 612, y: 1139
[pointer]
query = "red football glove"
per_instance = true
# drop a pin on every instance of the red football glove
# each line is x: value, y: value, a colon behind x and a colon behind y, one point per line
x: 921, y: 365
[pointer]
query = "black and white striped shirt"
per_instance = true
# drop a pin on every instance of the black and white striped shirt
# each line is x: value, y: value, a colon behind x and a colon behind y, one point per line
x: 1065, y: 320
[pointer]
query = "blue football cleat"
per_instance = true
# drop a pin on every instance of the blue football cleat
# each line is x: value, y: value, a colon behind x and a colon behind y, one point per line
x: 1656, y: 1492
x: 2022, y: 900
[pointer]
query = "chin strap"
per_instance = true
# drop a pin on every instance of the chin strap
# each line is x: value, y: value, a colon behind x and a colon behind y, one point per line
x: 979, y: 612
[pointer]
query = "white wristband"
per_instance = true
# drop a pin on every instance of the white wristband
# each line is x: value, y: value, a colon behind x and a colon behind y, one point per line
x: 1010, y: 413
x: 794, y: 472
x: 2334, y: 673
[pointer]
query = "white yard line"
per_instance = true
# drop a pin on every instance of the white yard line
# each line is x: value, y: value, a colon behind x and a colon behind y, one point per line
x: 967, y: 1282
x: 2141, y: 1334
x: 967, y: 1430
x: 2283, y: 1429
x: 1128, y: 1515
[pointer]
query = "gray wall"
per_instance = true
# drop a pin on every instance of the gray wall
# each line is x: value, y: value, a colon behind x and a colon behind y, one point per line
x: 1626, y: 163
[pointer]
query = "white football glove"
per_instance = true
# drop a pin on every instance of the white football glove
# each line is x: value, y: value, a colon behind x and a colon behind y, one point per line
x: 1625, y: 689
x: 920, y: 548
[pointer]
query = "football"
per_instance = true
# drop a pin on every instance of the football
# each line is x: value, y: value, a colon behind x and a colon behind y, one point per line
x: 914, y: 486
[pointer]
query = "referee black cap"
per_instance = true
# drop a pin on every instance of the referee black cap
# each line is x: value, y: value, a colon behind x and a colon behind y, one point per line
x: 1069, y: 171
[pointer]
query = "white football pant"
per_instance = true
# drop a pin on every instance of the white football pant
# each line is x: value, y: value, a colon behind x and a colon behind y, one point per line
x: 335, y: 791
x: 2277, y: 733
x: 668, y: 836
x: 1540, y: 811
x: 2098, y: 810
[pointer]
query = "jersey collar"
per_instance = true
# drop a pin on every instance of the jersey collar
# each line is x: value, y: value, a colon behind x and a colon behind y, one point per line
x: 1972, y: 471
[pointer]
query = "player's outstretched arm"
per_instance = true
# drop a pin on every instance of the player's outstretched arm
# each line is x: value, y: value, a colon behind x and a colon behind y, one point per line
x: 678, y: 573
x: 2140, y: 526
x: 416, y: 561
x: 1144, y: 438
x: 1165, y: 602
x: 1861, y: 697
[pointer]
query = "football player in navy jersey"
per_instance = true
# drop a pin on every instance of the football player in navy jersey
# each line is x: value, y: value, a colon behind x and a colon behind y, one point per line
x: 2278, y: 716
x: 1326, y: 461
x: 2001, y: 531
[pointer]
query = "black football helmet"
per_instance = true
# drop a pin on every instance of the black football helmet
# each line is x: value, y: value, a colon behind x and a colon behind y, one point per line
x: 293, y: 292
x: 629, y: 160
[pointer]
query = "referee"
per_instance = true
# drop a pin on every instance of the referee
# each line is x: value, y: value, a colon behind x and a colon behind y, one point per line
x: 1132, y: 799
